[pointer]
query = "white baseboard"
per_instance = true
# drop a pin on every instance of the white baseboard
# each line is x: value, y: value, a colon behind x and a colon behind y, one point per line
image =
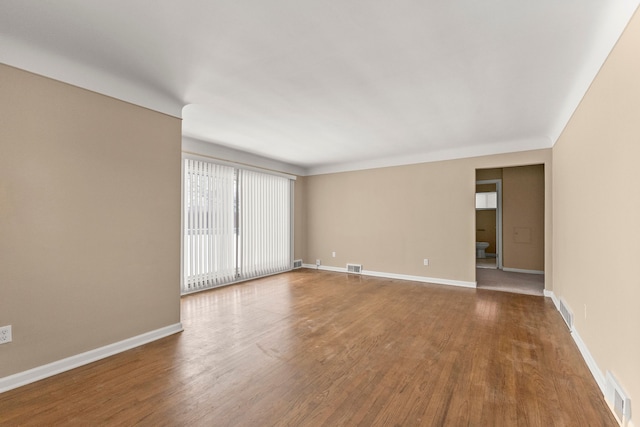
x: 520, y: 270
x: 588, y: 358
x: 553, y: 297
x: 57, y: 367
x: 422, y: 279
x: 584, y: 351
x: 325, y: 267
x: 591, y: 363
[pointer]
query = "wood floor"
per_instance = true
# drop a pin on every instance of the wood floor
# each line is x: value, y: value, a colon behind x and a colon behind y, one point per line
x: 314, y: 348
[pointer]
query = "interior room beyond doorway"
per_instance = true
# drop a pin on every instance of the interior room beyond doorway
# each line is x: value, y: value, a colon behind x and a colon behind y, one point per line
x: 510, y: 231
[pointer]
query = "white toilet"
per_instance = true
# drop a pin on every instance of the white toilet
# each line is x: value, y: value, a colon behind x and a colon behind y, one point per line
x: 480, y: 247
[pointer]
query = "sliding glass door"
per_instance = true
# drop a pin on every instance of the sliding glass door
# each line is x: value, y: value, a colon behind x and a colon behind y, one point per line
x: 209, y: 225
x: 264, y: 224
x: 236, y: 224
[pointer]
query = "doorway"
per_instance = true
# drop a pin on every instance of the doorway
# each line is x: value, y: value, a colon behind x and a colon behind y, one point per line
x: 489, y: 223
x: 518, y: 229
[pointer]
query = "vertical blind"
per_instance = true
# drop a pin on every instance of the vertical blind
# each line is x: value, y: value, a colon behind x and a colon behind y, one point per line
x: 209, y: 225
x: 265, y: 225
x: 237, y: 225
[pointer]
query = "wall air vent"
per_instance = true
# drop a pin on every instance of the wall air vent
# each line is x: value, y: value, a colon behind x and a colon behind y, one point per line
x: 354, y: 268
x: 618, y: 401
x: 297, y: 263
x: 566, y: 313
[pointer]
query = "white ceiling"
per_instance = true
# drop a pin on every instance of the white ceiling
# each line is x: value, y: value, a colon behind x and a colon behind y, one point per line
x: 330, y: 86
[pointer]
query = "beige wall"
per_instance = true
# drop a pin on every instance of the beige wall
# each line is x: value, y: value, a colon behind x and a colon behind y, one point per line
x: 486, y: 228
x: 596, y: 205
x: 486, y: 174
x: 89, y: 220
x: 523, y: 217
x: 390, y: 219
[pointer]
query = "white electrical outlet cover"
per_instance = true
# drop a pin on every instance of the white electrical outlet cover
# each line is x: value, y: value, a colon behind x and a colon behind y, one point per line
x: 5, y: 334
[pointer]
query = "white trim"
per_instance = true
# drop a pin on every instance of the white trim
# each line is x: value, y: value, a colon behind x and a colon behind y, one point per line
x: 210, y: 159
x: 238, y: 158
x: 181, y: 225
x: 591, y: 363
x: 325, y: 268
x: 63, y: 365
x: 615, y: 17
x: 588, y: 358
x: 486, y: 149
x: 613, y: 388
x: 38, y: 60
x: 553, y: 297
x: 423, y: 279
x: 521, y: 270
x: 330, y: 268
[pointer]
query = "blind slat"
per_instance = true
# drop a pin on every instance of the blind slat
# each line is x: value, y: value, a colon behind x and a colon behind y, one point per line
x: 220, y: 246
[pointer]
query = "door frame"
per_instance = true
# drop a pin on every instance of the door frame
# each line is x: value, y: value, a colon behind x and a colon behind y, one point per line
x: 498, y: 183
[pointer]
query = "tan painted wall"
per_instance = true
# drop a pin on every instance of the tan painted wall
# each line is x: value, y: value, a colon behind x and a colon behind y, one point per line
x: 596, y: 238
x: 523, y: 217
x: 483, y: 188
x: 486, y: 228
x: 485, y: 174
x: 89, y: 220
x: 390, y: 219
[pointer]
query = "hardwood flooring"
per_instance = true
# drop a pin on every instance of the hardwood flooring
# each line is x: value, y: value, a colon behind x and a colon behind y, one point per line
x: 314, y: 348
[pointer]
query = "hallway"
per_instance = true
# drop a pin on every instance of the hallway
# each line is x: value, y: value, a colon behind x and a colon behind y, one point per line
x: 506, y: 281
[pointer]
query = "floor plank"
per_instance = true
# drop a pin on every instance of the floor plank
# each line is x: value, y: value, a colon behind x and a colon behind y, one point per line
x: 314, y: 348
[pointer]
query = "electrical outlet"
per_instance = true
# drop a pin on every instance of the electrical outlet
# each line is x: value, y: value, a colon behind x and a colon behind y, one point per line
x: 317, y: 262
x: 333, y: 254
x: 5, y: 334
x: 426, y: 261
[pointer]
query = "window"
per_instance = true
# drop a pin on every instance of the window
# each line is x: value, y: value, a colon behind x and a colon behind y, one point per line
x: 237, y: 224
